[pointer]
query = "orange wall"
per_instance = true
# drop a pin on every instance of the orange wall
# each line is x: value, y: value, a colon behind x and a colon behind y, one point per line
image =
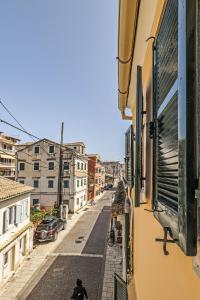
x: 156, y: 276
x: 160, y: 277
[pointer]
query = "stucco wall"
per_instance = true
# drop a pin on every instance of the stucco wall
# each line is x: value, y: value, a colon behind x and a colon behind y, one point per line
x: 158, y: 276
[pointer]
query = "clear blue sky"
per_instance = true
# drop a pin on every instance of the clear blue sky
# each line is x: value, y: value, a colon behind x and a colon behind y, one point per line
x: 57, y: 63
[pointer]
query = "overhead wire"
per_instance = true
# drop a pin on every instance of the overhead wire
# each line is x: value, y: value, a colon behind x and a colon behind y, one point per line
x: 30, y: 134
x: 33, y: 137
x: 15, y: 156
x: 19, y: 123
x: 22, y: 129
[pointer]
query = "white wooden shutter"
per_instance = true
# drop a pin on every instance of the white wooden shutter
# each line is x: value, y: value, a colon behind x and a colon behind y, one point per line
x: 18, y: 214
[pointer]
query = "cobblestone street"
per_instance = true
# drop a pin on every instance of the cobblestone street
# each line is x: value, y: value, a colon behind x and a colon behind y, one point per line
x: 52, y: 269
x: 80, y: 255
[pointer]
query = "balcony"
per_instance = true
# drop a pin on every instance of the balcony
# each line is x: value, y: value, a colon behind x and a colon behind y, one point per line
x: 4, y: 151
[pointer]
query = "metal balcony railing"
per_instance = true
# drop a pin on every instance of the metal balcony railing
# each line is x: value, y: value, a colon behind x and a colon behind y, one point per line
x: 120, y: 288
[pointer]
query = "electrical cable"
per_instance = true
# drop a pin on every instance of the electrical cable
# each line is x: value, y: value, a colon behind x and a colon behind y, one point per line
x: 30, y: 134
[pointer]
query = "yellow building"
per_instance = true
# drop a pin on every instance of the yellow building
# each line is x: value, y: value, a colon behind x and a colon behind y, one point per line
x: 158, y: 68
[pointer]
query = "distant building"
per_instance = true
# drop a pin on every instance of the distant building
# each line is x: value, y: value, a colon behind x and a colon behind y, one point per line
x: 78, y: 147
x: 103, y: 178
x: 7, y: 155
x: 94, y: 176
x: 113, y: 169
x: 38, y: 166
x: 16, y: 239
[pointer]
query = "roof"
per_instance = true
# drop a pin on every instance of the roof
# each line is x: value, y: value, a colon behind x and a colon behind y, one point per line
x: 10, y: 189
x: 30, y: 144
x: 74, y: 144
x: 2, y: 134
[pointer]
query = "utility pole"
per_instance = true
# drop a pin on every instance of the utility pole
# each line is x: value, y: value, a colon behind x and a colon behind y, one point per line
x: 60, y: 173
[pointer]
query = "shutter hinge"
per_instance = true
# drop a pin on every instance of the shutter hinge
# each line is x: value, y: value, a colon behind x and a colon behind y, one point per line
x: 151, y: 129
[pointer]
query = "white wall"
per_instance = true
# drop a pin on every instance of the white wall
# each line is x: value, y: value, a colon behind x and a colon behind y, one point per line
x: 20, y: 220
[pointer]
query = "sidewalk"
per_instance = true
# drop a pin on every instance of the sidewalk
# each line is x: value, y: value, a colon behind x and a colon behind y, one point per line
x: 31, y: 264
x: 113, y: 264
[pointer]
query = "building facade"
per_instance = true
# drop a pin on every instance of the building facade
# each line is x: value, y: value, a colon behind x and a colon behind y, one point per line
x: 16, y: 235
x: 113, y: 169
x: 8, y: 146
x: 158, y: 63
x: 94, y: 176
x: 38, y: 165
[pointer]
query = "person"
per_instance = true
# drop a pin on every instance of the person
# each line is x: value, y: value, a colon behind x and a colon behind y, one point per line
x: 80, y: 292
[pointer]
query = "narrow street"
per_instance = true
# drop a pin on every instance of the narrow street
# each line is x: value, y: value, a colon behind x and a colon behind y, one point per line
x: 80, y: 255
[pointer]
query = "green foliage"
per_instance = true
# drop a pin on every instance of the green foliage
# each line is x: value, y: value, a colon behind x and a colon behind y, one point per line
x: 37, y: 216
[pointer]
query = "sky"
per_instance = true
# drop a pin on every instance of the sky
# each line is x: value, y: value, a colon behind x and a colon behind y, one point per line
x: 58, y: 63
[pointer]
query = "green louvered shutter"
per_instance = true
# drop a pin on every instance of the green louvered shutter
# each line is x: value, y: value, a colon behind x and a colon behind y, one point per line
x: 174, y: 116
x: 129, y: 156
x: 138, y: 138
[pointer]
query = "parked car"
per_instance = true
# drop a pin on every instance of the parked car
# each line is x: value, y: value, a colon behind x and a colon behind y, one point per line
x: 108, y: 187
x: 49, y: 228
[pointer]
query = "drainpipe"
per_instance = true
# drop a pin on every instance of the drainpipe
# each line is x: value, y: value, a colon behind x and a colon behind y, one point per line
x: 125, y: 117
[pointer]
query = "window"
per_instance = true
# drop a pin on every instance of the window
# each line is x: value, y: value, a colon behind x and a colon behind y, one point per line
x: 36, y: 166
x: 21, y: 181
x: 27, y: 204
x: 81, y: 166
x: 37, y: 150
x: 51, y: 149
x: 85, y: 181
x: 78, y: 165
x: 75, y: 148
x: 51, y: 165
x: 77, y: 183
x: 5, y: 258
x: 36, y: 201
x: 96, y: 181
x: 50, y: 184
x: 81, y: 182
x: 66, y: 184
x: 66, y: 166
x: 77, y: 201
x: 18, y: 214
x: 35, y: 183
x: 11, y: 215
x: 21, y: 166
x: 5, y: 221
x: 85, y: 166
x: 174, y: 135
x: 139, y: 137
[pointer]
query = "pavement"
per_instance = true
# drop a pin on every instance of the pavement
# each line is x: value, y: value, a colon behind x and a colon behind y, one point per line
x: 52, y: 269
x: 113, y: 264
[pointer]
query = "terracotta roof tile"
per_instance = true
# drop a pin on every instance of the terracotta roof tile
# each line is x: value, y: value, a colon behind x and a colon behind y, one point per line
x: 10, y: 188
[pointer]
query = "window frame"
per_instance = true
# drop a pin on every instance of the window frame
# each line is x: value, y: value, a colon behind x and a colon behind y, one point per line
x: 49, y: 185
x: 53, y: 164
x: 183, y: 222
x: 36, y: 147
x: 21, y: 163
x: 34, y: 164
x: 37, y: 185
x: 51, y: 146
x: 66, y: 187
